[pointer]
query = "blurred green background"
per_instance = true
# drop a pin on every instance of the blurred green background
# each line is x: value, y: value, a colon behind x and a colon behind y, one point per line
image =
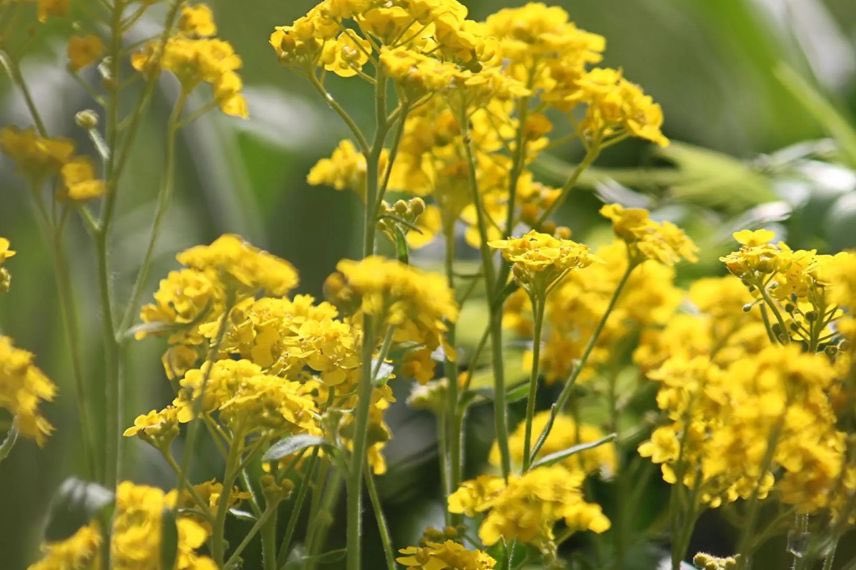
x: 711, y: 64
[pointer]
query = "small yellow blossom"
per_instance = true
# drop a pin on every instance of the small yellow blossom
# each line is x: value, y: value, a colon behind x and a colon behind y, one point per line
x: 84, y: 51
x: 22, y: 388
x: 647, y: 239
x: 448, y: 555
x: 51, y: 9
x: 197, y: 20
x: 80, y: 183
x: 347, y: 55
x: 159, y: 428
x: 36, y: 156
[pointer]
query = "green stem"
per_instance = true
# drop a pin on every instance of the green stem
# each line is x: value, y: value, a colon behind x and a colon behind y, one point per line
x: 230, y: 474
x: 452, y: 450
x: 268, y: 532
x: 343, y: 114
x: 538, y: 312
x: 590, y: 156
x: 495, y: 309
x: 565, y: 394
x: 296, y: 508
x: 163, y: 200
x: 323, y: 518
x: 382, y: 527
x: 260, y: 522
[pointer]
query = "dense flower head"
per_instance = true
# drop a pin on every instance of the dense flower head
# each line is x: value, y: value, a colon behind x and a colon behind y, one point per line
x: 246, y: 399
x: 723, y: 418
x: 158, y: 427
x: 416, y: 304
x: 80, y: 551
x: 6, y: 252
x: 529, y: 506
x: 578, y: 302
x: 194, y: 56
x: 615, y: 108
x: 447, y: 555
x: 539, y: 260
x: 80, y: 182
x: 23, y: 387
x: 564, y: 434
x: 810, y: 294
x: 649, y: 239
x: 345, y: 169
x: 239, y: 263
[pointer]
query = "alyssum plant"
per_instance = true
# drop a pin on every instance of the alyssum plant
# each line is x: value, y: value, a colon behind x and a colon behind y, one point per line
x: 753, y: 372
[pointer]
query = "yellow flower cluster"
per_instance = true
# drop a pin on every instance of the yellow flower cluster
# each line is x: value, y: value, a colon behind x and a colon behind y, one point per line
x: 39, y: 157
x: 416, y: 306
x: 344, y: 170
x: 616, y: 108
x: 247, y: 400
x: 195, y: 56
x: 6, y: 252
x: 577, y: 303
x: 448, y: 555
x: 135, y: 539
x: 539, y: 260
x: 804, y: 291
x: 83, y: 51
x: 189, y: 299
x: 529, y: 506
x: 648, y: 239
x: 565, y: 433
x: 23, y: 387
x: 80, y: 551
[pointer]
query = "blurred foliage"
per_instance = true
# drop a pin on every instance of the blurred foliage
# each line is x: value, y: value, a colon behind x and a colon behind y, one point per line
x: 743, y: 83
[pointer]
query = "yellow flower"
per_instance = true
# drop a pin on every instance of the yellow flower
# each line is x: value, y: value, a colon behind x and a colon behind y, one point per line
x: 84, y: 51
x: 80, y: 183
x: 539, y: 260
x: 530, y: 505
x: 754, y: 238
x: 80, y: 551
x: 417, y: 305
x: 242, y: 265
x: 615, y: 108
x: 647, y: 239
x: 5, y: 253
x: 197, y: 20
x: 347, y: 55
x: 344, y: 170
x: 22, y: 388
x: 156, y: 427
x: 448, y: 555
x: 51, y: 9
x: 36, y: 156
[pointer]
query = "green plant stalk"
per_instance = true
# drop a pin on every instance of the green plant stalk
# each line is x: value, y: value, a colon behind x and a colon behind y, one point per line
x: 382, y: 527
x: 590, y: 156
x: 296, y: 509
x: 162, y: 203
x: 538, y: 306
x: 230, y: 474
x: 565, y: 394
x: 268, y: 533
x: 323, y: 517
x: 519, y: 158
x: 452, y: 451
x: 260, y: 522
x: 500, y: 405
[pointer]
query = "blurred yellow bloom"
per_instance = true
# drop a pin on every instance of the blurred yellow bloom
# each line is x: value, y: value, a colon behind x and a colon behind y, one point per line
x: 5, y: 253
x: 80, y: 551
x: 197, y: 20
x: 448, y: 555
x: 51, y: 9
x: 36, y: 156
x: 80, y: 183
x: 347, y: 55
x: 84, y: 51
x: 23, y: 387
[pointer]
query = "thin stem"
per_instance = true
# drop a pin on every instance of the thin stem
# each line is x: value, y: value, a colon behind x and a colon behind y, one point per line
x: 499, y: 402
x: 296, y: 508
x: 218, y: 544
x: 343, y: 114
x: 17, y: 78
x: 538, y: 313
x: 565, y: 394
x: 260, y: 522
x: 268, y: 532
x: 163, y: 200
x: 590, y: 156
x: 452, y: 451
x: 382, y: 527
x: 323, y: 518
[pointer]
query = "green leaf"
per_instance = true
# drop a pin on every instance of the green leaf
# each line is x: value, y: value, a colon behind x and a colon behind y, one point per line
x: 243, y: 515
x: 169, y: 539
x: 293, y: 444
x: 8, y: 443
x: 401, y: 251
x: 74, y: 505
x: 573, y: 450
x: 823, y: 111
